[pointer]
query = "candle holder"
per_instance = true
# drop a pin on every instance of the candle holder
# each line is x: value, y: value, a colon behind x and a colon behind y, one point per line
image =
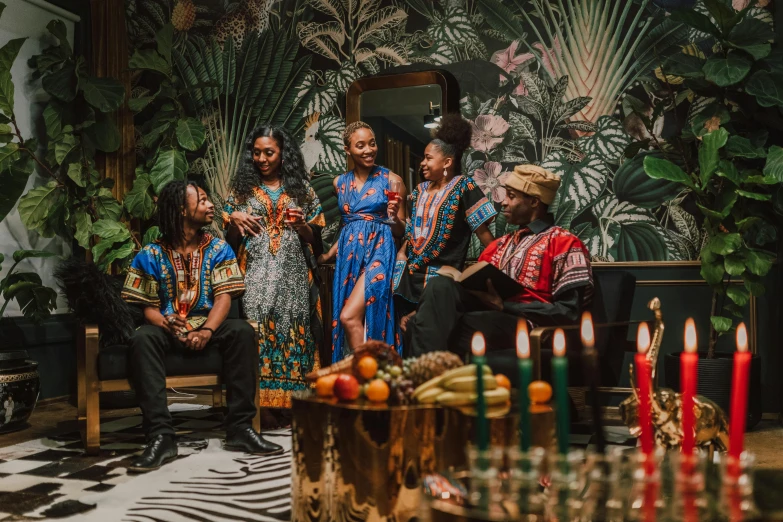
x: 566, y: 474
x: 603, y: 498
x: 645, y: 502
x: 688, y: 486
x: 737, y: 501
x: 524, y: 480
x: 484, y: 489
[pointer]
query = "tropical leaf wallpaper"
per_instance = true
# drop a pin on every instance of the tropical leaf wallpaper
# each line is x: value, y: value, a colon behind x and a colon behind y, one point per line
x: 574, y: 85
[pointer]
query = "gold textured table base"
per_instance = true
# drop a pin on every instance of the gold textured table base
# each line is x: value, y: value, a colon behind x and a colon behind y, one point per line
x: 365, y: 462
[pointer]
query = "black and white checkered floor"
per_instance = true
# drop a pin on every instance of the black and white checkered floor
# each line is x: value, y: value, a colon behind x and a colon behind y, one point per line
x: 50, y: 478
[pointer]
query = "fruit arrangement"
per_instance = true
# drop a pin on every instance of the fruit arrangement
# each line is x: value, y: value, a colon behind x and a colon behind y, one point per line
x: 457, y: 388
x: 378, y: 374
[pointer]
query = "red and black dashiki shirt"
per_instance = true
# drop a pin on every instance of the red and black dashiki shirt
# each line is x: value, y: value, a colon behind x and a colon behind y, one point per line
x: 553, y: 266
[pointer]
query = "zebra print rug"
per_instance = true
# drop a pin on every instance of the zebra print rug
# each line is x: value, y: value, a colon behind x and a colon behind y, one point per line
x: 51, y: 478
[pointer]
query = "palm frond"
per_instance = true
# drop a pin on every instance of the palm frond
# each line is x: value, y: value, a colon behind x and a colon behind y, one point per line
x: 235, y: 91
x: 602, y: 45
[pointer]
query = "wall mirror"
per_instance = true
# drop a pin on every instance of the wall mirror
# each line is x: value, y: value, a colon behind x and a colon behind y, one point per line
x: 402, y: 110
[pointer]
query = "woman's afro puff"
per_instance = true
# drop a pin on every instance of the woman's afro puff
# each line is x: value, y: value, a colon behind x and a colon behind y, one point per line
x: 454, y: 130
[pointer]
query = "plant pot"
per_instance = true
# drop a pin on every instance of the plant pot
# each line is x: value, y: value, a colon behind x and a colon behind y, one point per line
x: 19, y: 388
x: 715, y: 382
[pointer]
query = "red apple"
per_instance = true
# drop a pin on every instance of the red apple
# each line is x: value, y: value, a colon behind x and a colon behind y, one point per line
x: 346, y: 387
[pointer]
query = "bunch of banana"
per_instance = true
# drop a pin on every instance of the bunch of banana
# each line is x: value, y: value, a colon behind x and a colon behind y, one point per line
x: 457, y: 387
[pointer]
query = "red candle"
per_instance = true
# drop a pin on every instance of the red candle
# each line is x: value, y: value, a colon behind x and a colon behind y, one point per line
x: 645, y: 391
x: 739, y: 396
x: 689, y: 361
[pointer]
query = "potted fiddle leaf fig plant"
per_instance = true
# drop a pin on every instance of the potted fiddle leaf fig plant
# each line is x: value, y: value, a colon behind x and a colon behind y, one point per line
x: 725, y: 157
x: 19, y: 381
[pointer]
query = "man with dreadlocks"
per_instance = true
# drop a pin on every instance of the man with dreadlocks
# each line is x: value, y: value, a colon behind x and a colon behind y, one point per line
x: 187, y: 263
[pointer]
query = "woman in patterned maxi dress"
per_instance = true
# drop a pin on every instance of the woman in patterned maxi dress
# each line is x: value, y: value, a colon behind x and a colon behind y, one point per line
x: 277, y: 257
x: 361, y: 292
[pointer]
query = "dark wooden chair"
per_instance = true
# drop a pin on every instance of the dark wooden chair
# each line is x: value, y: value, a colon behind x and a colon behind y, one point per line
x: 104, y: 369
x: 611, y: 311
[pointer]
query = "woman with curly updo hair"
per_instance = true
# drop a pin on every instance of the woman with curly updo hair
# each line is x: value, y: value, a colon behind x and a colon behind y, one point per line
x: 275, y: 216
x: 447, y: 208
x: 372, y: 205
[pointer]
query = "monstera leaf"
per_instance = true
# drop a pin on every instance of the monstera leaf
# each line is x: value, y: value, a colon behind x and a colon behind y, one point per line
x: 632, y: 184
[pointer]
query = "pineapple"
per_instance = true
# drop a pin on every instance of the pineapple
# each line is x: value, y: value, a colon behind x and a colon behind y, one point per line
x: 430, y: 365
x: 184, y: 15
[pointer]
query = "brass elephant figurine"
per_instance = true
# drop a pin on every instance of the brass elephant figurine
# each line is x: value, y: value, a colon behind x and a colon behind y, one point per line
x: 711, y: 425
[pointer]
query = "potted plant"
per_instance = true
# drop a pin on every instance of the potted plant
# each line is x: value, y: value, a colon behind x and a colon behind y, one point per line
x: 19, y: 382
x: 725, y: 158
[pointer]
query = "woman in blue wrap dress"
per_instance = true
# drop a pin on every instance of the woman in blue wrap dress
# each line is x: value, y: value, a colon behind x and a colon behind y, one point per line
x: 365, y: 250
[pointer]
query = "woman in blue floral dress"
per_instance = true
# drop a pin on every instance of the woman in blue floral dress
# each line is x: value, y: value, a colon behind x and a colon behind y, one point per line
x: 361, y: 292
x: 277, y: 255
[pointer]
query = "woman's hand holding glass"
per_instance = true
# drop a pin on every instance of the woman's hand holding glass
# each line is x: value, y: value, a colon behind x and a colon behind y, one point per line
x: 247, y: 224
x: 294, y: 215
x: 393, y: 206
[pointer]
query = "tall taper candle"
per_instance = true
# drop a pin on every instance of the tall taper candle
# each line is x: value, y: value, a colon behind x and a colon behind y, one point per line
x: 482, y: 429
x: 739, y: 397
x: 560, y: 381
x: 591, y: 371
x: 645, y: 391
x: 525, y: 378
x: 689, y: 362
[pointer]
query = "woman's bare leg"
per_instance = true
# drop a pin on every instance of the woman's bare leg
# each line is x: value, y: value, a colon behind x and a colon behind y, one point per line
x: 352, y: 315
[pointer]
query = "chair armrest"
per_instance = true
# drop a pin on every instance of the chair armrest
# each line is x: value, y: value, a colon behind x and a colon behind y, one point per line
x: 538, y: 333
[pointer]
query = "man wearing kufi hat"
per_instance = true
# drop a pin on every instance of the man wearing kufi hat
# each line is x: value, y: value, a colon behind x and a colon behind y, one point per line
x: 549, y: 262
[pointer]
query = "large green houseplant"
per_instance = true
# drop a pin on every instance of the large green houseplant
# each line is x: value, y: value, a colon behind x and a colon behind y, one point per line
x: 724, y: 156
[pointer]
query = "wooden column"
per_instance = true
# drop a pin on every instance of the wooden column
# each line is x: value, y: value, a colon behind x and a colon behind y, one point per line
x: 110, y: 59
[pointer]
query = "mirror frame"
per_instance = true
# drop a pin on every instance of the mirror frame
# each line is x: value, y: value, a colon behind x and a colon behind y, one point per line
x: 448, y: 86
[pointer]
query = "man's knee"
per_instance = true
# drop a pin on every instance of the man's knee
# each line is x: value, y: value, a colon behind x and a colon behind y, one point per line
x: 147, y: 337
x: 240, y: 329
x: 439, y: 285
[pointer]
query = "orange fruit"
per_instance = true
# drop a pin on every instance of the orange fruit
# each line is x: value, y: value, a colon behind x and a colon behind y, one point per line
x: 324, y: 386
x: 377, y: 391
x: 367, y: 367
x: 539, y: 392
x: 503, y: 381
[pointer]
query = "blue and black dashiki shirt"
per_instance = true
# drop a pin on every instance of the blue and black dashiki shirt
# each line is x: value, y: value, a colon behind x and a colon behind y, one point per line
x: 157, y: 272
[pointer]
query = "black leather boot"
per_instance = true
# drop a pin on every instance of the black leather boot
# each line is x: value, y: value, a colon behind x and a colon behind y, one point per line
x: 159, y: 450
x: 248, y: 441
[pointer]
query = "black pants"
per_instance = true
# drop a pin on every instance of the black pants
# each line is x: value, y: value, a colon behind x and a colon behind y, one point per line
x: 448, y: 316
x: 235, y: 339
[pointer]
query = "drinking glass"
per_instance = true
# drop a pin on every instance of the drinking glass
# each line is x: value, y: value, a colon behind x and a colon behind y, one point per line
x: 291, y: 208
x: 393, y: 193
x: 184, y: 297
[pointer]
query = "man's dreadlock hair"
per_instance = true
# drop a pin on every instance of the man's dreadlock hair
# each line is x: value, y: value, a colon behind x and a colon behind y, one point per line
x: 171, y: 202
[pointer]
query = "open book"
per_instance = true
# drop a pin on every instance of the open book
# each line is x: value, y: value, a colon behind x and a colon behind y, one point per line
x: 475, y: 278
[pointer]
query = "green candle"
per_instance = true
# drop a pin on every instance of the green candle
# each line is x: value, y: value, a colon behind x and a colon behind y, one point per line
x: 525, y: 377
x: 560, y: 382
x: 482, y: 429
